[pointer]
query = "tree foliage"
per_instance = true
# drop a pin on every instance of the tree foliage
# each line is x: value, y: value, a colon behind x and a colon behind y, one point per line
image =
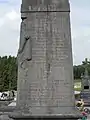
x: 80, y: 69
x: 8, y: 73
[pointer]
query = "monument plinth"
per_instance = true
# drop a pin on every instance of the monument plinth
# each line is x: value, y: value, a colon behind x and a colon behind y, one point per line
x: 45, y: 68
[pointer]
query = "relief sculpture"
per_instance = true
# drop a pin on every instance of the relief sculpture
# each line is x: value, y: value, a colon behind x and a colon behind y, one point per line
x: 25, y: 48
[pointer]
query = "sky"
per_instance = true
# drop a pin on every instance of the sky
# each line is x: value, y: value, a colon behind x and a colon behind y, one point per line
x: 80, y: 28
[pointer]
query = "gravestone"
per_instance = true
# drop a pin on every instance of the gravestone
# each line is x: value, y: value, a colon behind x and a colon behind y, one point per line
x: 45, y: 68
x: 85, y: 85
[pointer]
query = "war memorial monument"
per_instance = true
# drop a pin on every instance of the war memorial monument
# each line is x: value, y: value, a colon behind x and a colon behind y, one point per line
x: 45, y: 67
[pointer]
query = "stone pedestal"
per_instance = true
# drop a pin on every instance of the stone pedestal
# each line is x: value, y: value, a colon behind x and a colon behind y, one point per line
x: 45, y: 68
x: 48, y: 117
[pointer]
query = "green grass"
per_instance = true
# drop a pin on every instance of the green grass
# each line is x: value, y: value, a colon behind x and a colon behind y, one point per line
x: 77, y: 86
x: 77, y: 80
x: 77, y: 89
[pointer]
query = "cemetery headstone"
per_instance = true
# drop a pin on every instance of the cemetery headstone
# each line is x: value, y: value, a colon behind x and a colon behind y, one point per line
x: 85, y: 85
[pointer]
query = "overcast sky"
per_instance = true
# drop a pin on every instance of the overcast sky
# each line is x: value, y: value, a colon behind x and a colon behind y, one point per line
x: 80, y: 24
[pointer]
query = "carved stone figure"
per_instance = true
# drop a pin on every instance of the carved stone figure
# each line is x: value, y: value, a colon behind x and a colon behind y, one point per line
x: 25, y: 48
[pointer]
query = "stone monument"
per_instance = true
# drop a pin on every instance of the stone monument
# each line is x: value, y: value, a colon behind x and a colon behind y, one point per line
x: 85, y: 84
x: 45, y: 68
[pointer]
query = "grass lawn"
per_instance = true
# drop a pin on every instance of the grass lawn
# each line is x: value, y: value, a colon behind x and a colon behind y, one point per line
x: 77, y: 85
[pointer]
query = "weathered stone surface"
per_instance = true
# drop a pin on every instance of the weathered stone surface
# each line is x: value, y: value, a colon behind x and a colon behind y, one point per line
x: 45, y: 69
x: 44, y: 5
x: 45, y: 82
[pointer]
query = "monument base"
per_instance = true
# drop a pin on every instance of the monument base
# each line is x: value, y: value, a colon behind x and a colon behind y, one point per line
x: 47, y: 117
x: 24, y: 116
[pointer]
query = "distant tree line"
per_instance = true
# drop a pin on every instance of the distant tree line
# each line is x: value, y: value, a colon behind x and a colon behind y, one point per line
x: 8, y: 72
x: 80, y: 69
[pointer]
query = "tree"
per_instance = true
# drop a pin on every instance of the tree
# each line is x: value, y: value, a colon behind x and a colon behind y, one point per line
x: 80, y: 69
x: 8, y: 73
